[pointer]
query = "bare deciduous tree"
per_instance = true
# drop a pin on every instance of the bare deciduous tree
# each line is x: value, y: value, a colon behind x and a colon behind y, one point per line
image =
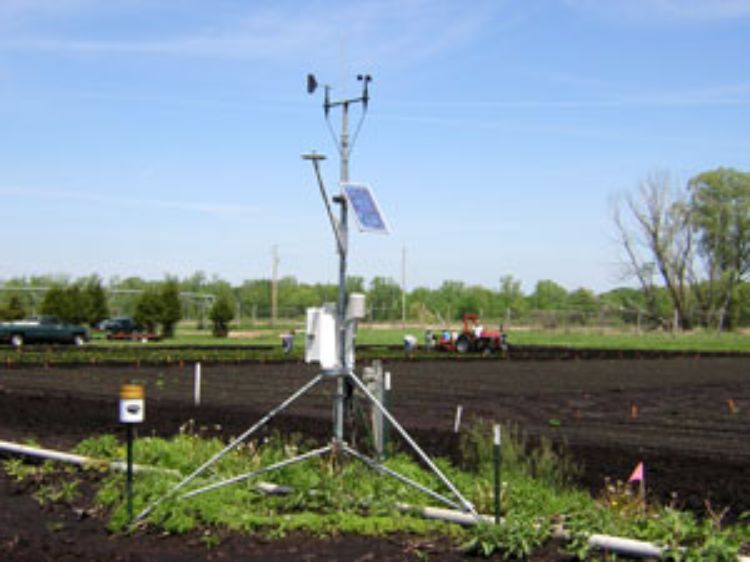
x: 654, y: 227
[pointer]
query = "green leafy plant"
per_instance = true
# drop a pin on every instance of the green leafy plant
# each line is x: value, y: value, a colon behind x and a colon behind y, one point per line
x: 18, y: 470
x: 101, y: 447
x: 62, y: 490
x: 516, y: 536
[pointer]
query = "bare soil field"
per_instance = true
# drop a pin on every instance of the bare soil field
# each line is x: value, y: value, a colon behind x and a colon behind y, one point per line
x: 687, y: 419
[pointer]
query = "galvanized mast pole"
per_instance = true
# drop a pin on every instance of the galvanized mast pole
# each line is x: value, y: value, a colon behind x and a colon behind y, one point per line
x: 343, y: 230
x: 344, y: 386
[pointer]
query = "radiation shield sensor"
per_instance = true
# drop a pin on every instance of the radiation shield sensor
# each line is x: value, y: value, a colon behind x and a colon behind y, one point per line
x: 361, y: 200
x: 321, y: 342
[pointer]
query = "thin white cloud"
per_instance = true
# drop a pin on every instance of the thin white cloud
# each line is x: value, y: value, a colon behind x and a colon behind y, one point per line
x: 652, y: 12
x: 26, y: 15
x: 403, y: 30
x: 84, y: 197
x: 713, y: 96
x: 717, y: 95
x: 18, y: 9
x: 562, y: 130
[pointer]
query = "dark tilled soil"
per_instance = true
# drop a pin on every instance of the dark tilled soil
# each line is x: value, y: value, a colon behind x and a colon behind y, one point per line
x: 688, y: 419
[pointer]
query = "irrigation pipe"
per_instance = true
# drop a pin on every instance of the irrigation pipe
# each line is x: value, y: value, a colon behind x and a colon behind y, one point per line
x: 444, y: 514
x: 120, y: 466
x: 80, y: 460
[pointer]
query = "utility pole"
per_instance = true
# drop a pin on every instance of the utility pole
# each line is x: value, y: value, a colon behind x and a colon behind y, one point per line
x: 403, y: 287
x: 274, y: 284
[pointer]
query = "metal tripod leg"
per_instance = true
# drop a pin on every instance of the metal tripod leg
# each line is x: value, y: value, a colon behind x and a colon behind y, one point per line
x: 400, y: 477
x: 467, y: 506
x: 270, y: 468
x: 265, y: 419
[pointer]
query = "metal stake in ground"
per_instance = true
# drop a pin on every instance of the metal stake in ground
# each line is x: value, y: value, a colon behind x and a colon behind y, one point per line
x: 132, y: 411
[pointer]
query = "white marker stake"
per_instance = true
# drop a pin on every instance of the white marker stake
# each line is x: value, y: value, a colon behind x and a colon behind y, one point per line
x: 457, y: 422
x: 387, y: 406
x: 197, y: 384
x: 498, y: 460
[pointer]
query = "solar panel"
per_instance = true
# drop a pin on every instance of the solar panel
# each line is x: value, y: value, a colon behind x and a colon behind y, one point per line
x: 366, y: 210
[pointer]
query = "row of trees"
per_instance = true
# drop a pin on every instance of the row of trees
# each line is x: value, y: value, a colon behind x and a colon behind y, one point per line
x: 160, y: 305
x: 85, y: 301
x: 692, y: 242
x: 156, y: 306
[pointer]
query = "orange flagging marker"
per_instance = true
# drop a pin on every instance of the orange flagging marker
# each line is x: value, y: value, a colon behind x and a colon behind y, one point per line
x: 732, y: 406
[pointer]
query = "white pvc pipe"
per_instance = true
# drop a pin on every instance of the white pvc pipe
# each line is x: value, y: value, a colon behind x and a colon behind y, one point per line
x: 633, y: 548
x: 43, y: 453
x: 120, y: 466
x: 80, y: 460
x: 626, y: 547
x: 272, y: 489
x: 444, y: 514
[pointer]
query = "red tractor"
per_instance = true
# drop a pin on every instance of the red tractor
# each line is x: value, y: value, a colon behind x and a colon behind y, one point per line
x: 473, y: 338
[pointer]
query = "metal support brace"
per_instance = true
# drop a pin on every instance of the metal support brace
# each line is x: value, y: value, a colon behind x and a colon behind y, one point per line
x: 264, y: 420
x: 400, y: 477
x: 271, y: 467
x: 468, y: 506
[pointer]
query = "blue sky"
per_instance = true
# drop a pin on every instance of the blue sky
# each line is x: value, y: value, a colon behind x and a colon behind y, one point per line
x: 145, y: 137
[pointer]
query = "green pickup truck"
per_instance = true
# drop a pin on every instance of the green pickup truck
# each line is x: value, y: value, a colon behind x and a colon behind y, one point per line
x: 42, y: 329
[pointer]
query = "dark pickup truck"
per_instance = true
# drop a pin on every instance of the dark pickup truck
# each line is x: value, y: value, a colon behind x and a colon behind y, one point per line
x: 42, y: 329
x: 126, y: 328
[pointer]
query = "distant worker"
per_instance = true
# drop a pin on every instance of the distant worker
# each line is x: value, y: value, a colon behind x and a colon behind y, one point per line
x: 287, y: 342
x: 410, y: 342
x: 478, y: 329
x: 429, y: 339
x: 503, y: 338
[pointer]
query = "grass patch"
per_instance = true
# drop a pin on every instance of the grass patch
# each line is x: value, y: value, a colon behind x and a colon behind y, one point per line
x: 693, y: 341
x: 335, y: 495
